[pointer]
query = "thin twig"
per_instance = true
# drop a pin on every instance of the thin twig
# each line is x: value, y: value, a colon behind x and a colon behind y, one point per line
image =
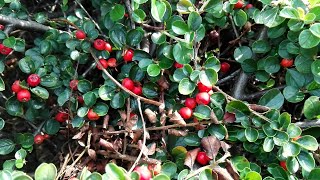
x: 260, y: 93
x: 126, y: 157
x: 308, y: 123
x: 22, y: 24
x: 149, y: 101
x: 229, y: 77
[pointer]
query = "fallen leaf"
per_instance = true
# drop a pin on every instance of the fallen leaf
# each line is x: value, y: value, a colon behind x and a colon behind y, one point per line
x: 211, y: 145
x: 191, y: 157
x: 232, y: 170
x: 151, y: 115
x: 176, y: 118
x: 92, y: 154
x: 178, y: 133
x: 223, y: 174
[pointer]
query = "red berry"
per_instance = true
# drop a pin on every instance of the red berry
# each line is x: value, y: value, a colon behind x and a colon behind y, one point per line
x: 1, y: 27
x: 202, y: 158
x: 80, y: 34
x: 16, y: 86
x: 144, y: 172
x: 204, y: 88
x: 177, y: 65
x: 74, y: 84
x: 38, y: 139
x: 33, y: 80
x: 286, y: 63
x: 128, y: 83
x: 137, y: 90
x: 104, y: 64
x: 203, y: 98
x: 283, y: 165
x: 5, y: 50
x: 99, y: 44
x: 238, y: 5
x: 108, y: 47
x: 296, y: 138
x: 224, y: 67
x: 248, y: 6
x: 23, y: 95
x: 155, y: 168
x: 61, y: 117
x: 112, y: 62
x: 46, y: 136
x: 185, y: 113
x: 80, y: 99
x: 92, y: 116
x: 190, y: 103
x: 128, y: 55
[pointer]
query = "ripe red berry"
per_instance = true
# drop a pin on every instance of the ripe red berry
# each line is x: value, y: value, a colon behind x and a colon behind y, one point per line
x: 1, y: 27
x: 16, y: 86
x: 203, y: 88
x: 296, y: 138
x: 185, y: 113
x: 74, y: 84
x: 137, y: 90
x: 203, y: 98
x: 104, y: 64
x: 23, y: 95
x: 224, y: 67
x: 128, y: 55
x: 5, y: 50
x: 144, y: 172
x: 248, y: 6
x: 61, y: 117
x: 238, y: 5
x: 80, y: 99
x: 177, y: 65
x: 99, y: 44
x: 128, y: 83
x: 46, y: 136
x: 108, y: 47
x: 190, y: 103
x: 286, y: 63
x: 202, y: 158
x: 92, y: 116
x: 38, y: 139
x: 283, y: 165
x: 33, y: 80
x: 80, y: 34
x: 112, y: 62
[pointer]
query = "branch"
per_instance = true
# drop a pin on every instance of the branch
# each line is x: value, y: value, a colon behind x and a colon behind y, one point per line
x: 260, y: 93
x: 22, y: 24
x: 128, y: 157
x: 229, y: 77
x: 308, y: 123
x: 128, y: 6
x: 149, y: 101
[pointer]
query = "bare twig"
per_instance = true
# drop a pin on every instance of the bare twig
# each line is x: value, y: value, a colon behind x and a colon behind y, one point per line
x: 144, y: 138
x: 22, y: 24
x: 149, y: 101
x: 260, y: 93
x: 128, y: 157
x: 308, y: 123
x: 128, y: 6
x: 229, y: 77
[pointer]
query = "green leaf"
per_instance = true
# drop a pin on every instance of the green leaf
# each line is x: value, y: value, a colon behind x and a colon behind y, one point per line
x: 251, y: 134
x: 169, y: 169
x: 242, y: 53
x: 292, y: 164
x: 138, y: 15
x: 206, y: 174
x: 306, y: 161
x: 5, y: 174
x: 158, y: 9
x: 268, y: 144
x: 261, y: 46
x: 280, y: 138
x: 77, y: 122
x: 84, y: 85
x: 237, y: 106
x: 293, y: 94
x: 101, y: 108
x: 45, y: 171
x: 194, y: 21
x: 208, y: 77
x: 161, y: 177
x: 289, y: 12
x: 51, y: 126
x: 26, y: 65
x: 9, y: 42
x: 117, y: 12
x: 2, y: 85
x: 314, y: 174
x: 14, y: 107
x: 217, y: 130
x: 106, y: 92
x: 118, y: 36
x: 252, y: 175
x: 134, y: 36
x: 311, y: 107
x: 89, y: 98
x: 293, y: 130
x: 2, y: 123
x: 240, y: 162
x: 307, y: 39
x: 40, y: 92
x: 273, y: 99
x: 153, y: 70
x: 186, y: 87
x: 6, y: 146
x: 240, y: 18
x: 307, y: 142
x: 192, y: 139
x: 290, y: 149
x: 315, y: 29
x: 182, y: 54
x: 117, y: 101
x: 180, y: 27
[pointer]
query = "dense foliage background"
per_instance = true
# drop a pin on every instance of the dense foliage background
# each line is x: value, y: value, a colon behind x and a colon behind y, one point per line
x: 162, y: 89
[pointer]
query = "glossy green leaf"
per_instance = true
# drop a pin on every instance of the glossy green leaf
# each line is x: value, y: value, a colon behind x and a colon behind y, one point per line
x: 40, y: 92
x: 308, y: 40
x: 117, y: 12
x: 268, y: 144
x: 307, y: 142
x: 242, y: 53
x: 7, y: 146
x: 306, y: 161
x: 45, y: 171
x: 158, y: 9
x: 311, y: 107
x: 273, y: 99
x: 251, y: 134
x: 186, y: 87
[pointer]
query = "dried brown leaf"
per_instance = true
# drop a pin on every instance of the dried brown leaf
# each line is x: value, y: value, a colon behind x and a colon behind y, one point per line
x: 152, y: 148
x: 106, y: 145
x: 176, y: 118
x: 132, y: 122
x: 191, y: 157
x: 225, y: 146
x: 229, y: 117
x: 163, y: 118
x: 123, y: 115
x: 151, y: 115
x: 223, y: 174
x: 232, y: 170
x: 145, y: 150
x: 135, y: 136
x: 79, y: 135
x: 178, y: 133
x: 105, y: 121
x: 211, y: 145
x: 163, y: 83
x: 92, y: 154
x: 214, y: 118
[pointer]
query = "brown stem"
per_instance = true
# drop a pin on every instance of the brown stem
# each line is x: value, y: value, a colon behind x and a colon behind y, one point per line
x: 128, y: 157
x: 149, y: 101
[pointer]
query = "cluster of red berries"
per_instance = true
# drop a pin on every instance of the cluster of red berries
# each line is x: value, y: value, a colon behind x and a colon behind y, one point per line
x: 130, y: 85
x: 39, y: 138
x: 203, y: 97
x: 240, y: 4
x: 23, y: 95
